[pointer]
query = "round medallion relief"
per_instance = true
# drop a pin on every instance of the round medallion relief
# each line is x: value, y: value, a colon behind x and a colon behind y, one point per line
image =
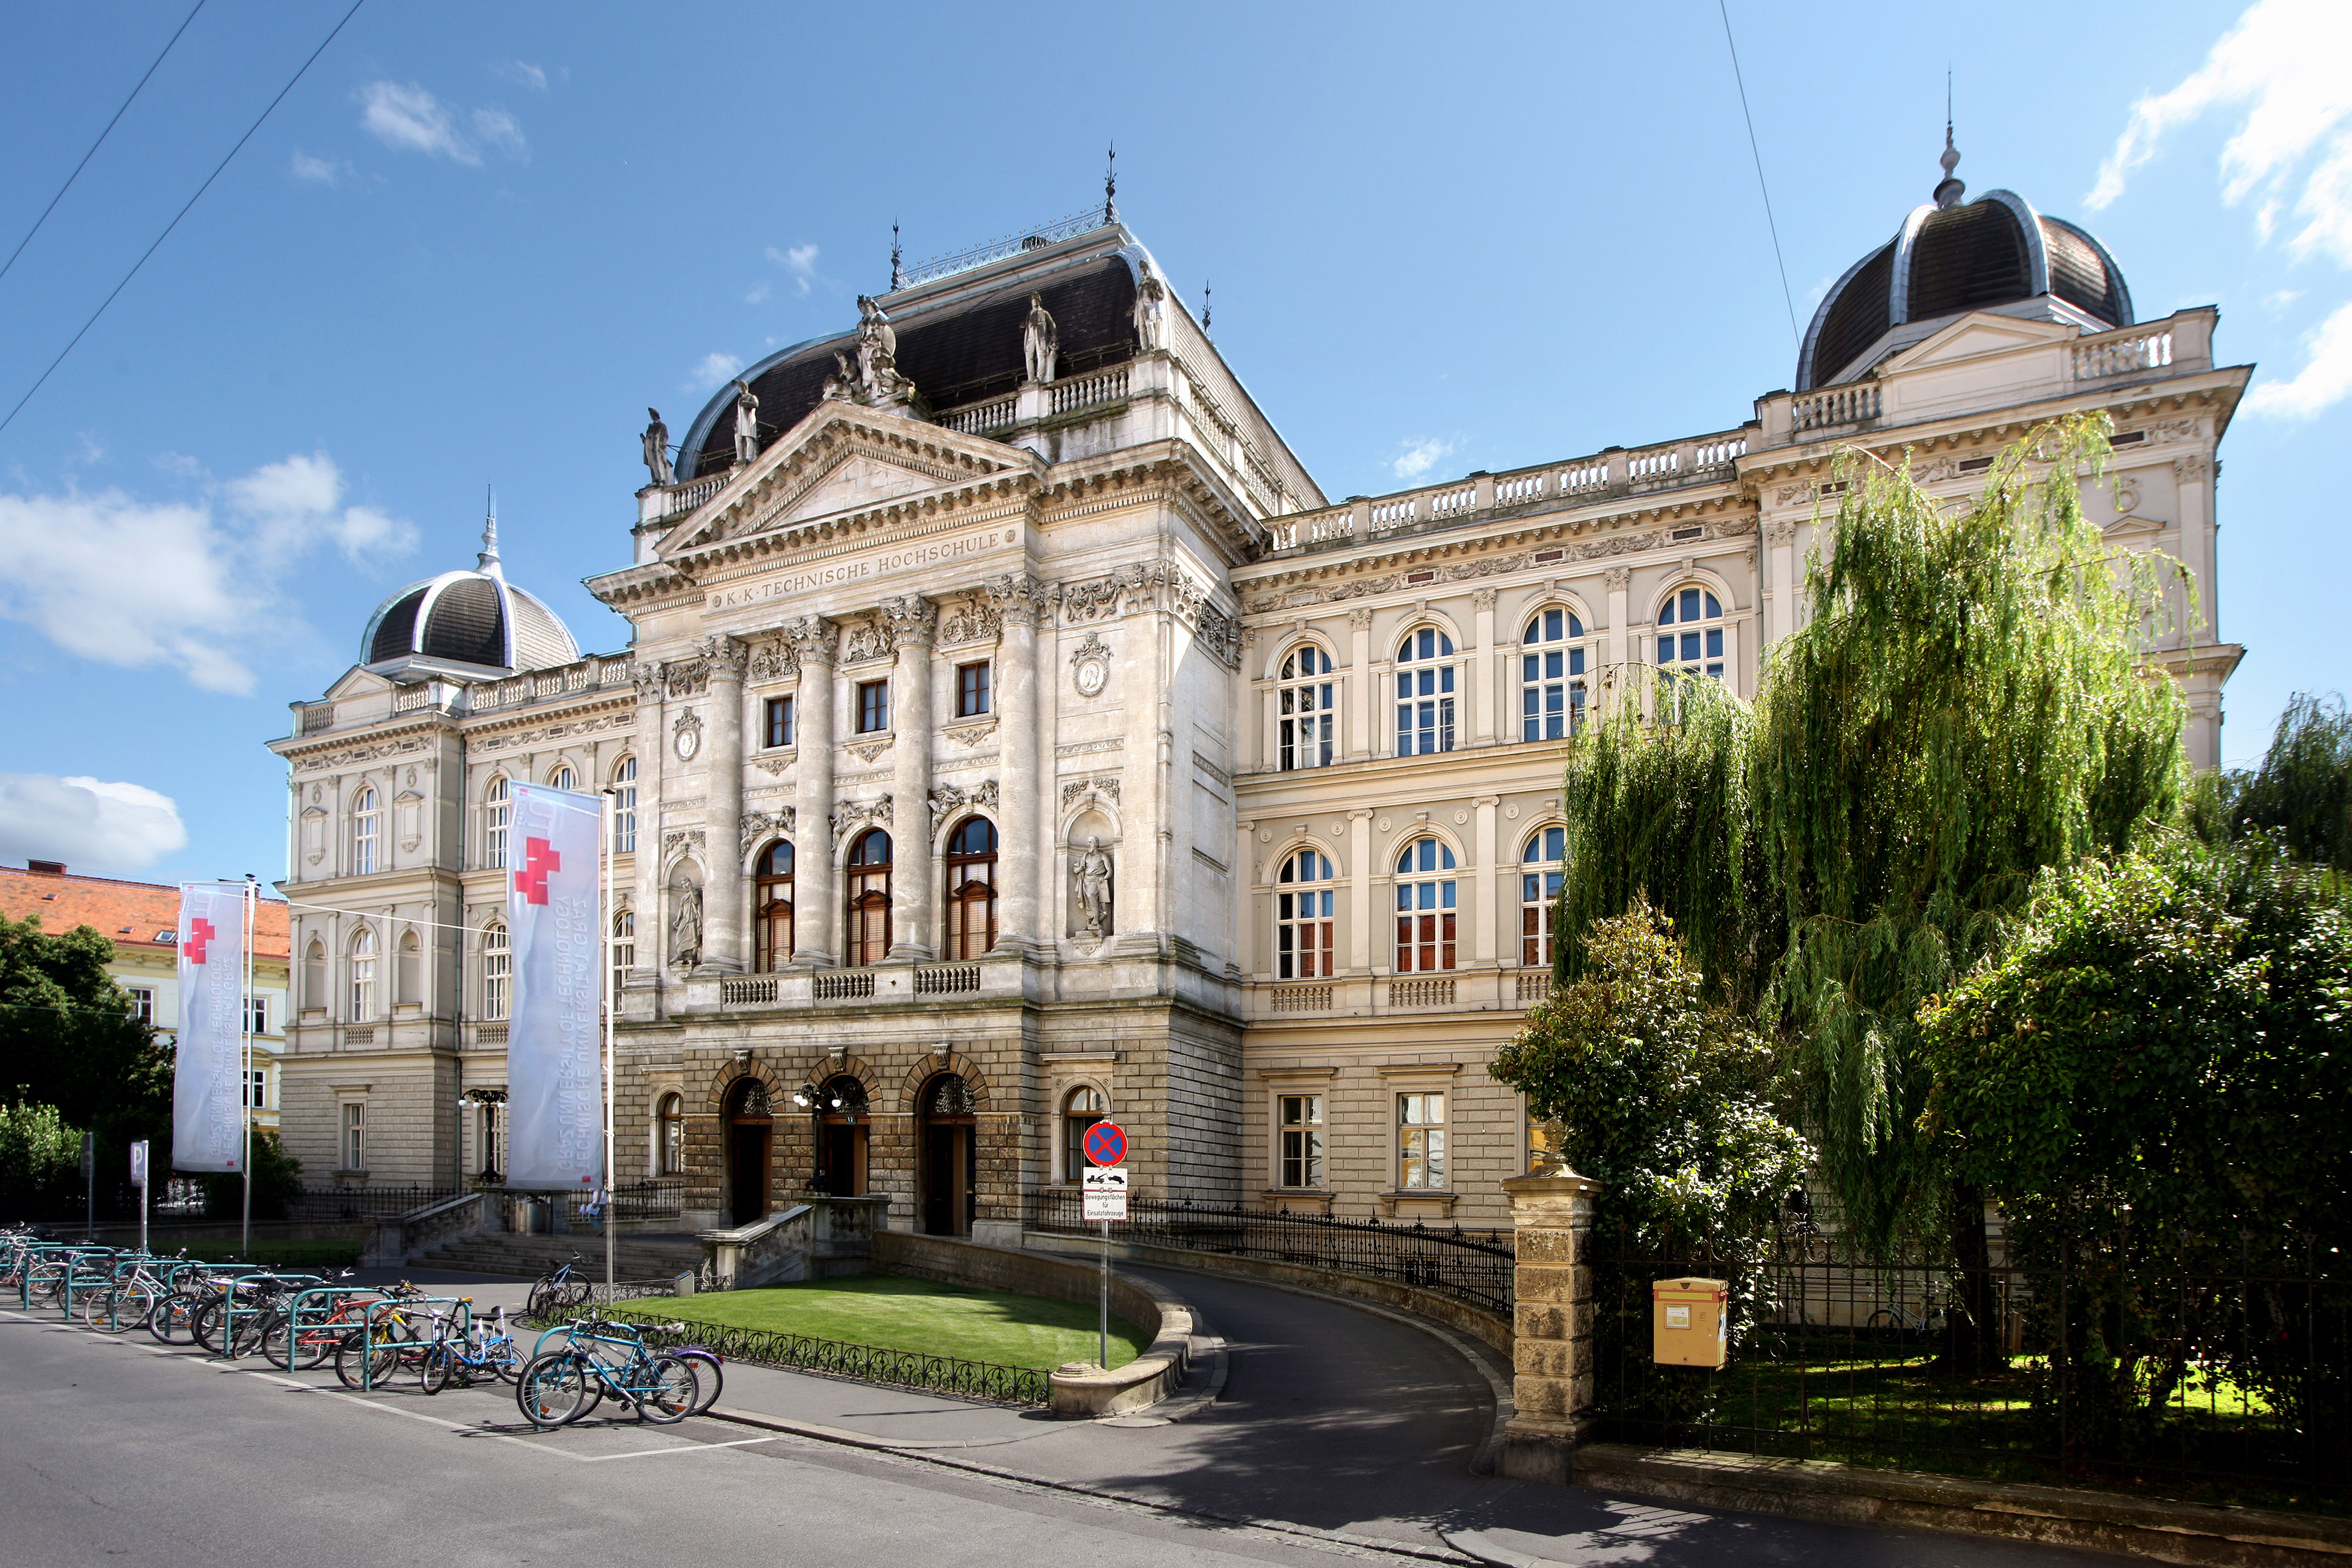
x: 1091, y: 676
x: 1512, y: 811
x: 1460, y: 817
x: 1384, y: 825
x: 688, y: 742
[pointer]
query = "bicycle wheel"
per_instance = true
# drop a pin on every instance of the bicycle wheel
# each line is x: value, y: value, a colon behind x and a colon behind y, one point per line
x: 435, y: 1367
x: 710, y: 1375
x: 97, y: 1307
x: 168, y: 1324
x: 674, y: 1392
x: 203, y: 1325
x: 251, y: 1329
x: 383, y: 1361
x: 505, y: 1359
x: 552, y: 1390
x: 1885, y: 1325
x: 134, y: 1303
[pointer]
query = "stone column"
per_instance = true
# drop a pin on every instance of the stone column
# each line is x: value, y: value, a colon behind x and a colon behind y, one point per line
x: 652, y: 752
x: 913, y: 621
x: 726, y: 905
x: 1552, y: 1361
x: 1020, y: 795
x: 1779, y: 584
x: 816, y: 894
x: 1482, y: 879
x: 1621, y: 679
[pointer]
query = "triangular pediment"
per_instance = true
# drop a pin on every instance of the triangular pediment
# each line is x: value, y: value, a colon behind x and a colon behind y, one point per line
x: 1975, y: 336
x: 841, y: 461
x: 357, y: 681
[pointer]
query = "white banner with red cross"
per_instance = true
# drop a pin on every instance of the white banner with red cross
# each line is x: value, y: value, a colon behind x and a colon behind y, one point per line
x: 555, y: 1083
x: 208, y: 1078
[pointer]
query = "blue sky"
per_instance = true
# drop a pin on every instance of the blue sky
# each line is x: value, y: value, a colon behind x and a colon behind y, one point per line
x: 476, y: 242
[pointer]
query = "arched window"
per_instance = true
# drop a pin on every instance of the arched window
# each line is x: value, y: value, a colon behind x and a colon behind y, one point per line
x: 408, y: 970
x: 1424, y: 686
x: 1539, y: 871
x: 496, y: 810
x: 498, y: 969
x: 625, y: 807
x: 772, y: 903
x: 869, y: 898
x: 1302, y: 917
x: 972, y: 887
x: 1081, y: 1109
x: 1551, y: 676
x: 314, y: 974
x: 564, y: 778
x: 1424, y: 901
x: 367, y: 830
x: 669, y: 1136
x: 1309, y: 718
x: 363, y: 976
x: 1695, y: 646
x: 624, y: 949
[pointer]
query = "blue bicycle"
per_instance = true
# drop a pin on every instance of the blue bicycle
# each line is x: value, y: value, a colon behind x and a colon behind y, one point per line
x: 601, y: 1358
x: 485, y: 1350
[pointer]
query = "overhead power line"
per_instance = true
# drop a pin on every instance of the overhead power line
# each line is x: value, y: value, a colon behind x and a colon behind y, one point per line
x: 94, y: 146
x: 1787, y: 297
x: 168, y: 228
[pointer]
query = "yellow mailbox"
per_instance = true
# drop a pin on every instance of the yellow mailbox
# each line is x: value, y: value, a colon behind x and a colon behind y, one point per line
x: 1692, y: 1322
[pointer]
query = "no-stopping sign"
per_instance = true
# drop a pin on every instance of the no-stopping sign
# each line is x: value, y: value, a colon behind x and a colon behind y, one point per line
x: 1106, y: 1143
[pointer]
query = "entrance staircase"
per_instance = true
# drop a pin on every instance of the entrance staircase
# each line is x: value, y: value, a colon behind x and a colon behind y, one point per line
x: 519, y: 1256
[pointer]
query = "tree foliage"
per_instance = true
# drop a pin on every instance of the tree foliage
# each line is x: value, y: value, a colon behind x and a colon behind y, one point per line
x: 39, y: 1157
x: 2301, y: 793
x: 67, y: 1036
x: 277, y: 1183
x: 1964, y: 705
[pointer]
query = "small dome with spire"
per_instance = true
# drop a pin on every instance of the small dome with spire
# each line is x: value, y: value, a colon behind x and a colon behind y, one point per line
x: 1996, y: 253
x: 466, y: 624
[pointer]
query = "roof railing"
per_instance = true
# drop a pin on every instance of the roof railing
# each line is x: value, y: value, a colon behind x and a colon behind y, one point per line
x: 1060, y: 229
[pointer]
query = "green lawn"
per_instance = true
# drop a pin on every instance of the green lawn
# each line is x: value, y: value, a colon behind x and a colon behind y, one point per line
x: 285, y: 1254
x: 922, y: 1315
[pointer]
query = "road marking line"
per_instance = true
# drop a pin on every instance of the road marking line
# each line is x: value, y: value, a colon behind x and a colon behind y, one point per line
x: 683, y: 1448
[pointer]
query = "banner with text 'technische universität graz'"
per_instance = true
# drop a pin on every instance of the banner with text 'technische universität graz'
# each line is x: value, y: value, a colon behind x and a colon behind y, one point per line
x: 208, y: 1114
x: 555, y: 1085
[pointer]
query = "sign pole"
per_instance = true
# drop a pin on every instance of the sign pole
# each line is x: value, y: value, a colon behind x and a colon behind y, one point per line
x: 604, y: 918
x: 1102, y: 1331
x: 245, y: 1251
x: 89, y: 1185
x: 139, y: 1175
x: 1104, y: 1198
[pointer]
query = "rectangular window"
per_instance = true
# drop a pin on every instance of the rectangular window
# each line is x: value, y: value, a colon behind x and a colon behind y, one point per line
x: 142, y: 1004
x: 256, y: 1014
x: 873, y: 706
x: 1302, y: 1139
x: 354, y: 1136
x: 972, y: 689
x: 257, y: 1089
x: 1421, y: 1142
x: 779, y: 722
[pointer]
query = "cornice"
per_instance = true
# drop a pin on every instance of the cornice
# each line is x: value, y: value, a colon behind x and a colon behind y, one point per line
x: 395, y: 729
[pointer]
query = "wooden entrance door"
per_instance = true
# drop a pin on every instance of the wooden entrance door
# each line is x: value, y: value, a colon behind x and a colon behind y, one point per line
x: 949, y: 1155
x: 751, y: 1138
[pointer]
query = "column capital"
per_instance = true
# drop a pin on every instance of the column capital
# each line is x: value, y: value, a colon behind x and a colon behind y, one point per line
x: 727, y: 654
x: 812, y: 638
x: 914, y: 620
x: 1019, y: 599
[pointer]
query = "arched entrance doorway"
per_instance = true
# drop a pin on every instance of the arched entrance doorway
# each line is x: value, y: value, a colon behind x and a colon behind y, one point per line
x: 944, y: 1128
x: 841, y: 1153
x: 750, y: 1135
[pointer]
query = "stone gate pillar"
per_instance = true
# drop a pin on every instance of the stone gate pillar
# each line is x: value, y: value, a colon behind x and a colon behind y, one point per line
x: 1552, y: 1356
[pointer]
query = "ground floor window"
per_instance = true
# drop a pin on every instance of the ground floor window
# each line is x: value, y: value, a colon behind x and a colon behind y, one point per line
x: 1421, y: 1142
x: 354, y: 1136
x: 1301, y: 1116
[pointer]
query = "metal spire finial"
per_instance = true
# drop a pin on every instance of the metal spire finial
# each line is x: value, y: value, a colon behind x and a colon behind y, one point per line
x: 1110, y: 188
x: 1948, y: 193
x: 489, y: 559
x: 897, y: 270
x: 1207, y: 309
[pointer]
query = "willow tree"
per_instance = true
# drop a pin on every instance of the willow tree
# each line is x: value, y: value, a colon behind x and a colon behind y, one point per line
x: 1966, y: 702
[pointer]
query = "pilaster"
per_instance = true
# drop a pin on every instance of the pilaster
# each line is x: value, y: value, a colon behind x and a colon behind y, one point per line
x: 816, y: 911
x: 1018, y: 605
x: 726, y: 908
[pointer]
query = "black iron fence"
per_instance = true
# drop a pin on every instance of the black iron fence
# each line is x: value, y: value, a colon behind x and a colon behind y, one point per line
x: 1473, y: 1266
x: 2209, y: 1372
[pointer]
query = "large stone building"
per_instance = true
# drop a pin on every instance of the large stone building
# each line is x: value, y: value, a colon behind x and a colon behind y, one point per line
x: 1012, y: 732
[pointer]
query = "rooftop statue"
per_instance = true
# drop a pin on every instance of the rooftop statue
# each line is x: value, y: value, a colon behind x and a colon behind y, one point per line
x: 1151, y: 310
x: 1040, y: 340
x: 747, y: 424
x: 656, y: 445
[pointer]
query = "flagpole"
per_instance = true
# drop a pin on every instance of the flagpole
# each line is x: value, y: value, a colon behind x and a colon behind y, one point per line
x: 245, y: 1086
x: 604, y: 918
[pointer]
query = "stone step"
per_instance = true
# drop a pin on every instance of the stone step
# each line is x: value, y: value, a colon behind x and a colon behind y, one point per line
x: 526, y: 1256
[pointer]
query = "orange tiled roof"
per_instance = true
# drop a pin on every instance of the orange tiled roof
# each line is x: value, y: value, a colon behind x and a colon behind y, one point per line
x: 134, y: 914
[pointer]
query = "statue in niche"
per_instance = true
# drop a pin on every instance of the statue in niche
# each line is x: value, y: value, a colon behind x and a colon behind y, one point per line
x: 1040, y: 340
x: 656, y: 445
x: 1151, y: 310
x: 685, y: 925
x: 1093, y: 870
x: 747, y: 424
x: 878, y: 349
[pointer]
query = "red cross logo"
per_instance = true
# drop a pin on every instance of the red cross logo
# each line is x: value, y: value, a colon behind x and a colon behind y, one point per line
x: 538, y: 860
x: 200, y: 932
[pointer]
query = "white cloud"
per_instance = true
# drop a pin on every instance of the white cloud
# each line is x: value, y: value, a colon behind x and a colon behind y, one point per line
x: 408, y: 118
x: 89, y: 823
x: 320, y: 171
x: 525, y: 74
x: 1419, y: 458
x: 714, y: 368
x: 132, y: 583
x: 800, y: 261
x: 757, y: 296
x: 2283, y: 61
x: 411, y: 120
x: 2325, y: 380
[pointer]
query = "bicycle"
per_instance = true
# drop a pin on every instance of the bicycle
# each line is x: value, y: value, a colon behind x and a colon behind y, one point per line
x: 386, y: 1339
x: 483, y: 1348
x: 560, y: 1290
x: 126, y: 1303
x: 559, y: 1386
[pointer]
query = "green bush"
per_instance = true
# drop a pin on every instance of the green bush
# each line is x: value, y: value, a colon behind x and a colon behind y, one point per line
x: 277, y: 1183
x: 40, y: 1156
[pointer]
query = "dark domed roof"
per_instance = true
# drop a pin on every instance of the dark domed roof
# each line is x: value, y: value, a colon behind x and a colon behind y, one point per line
x: 476, y: 621
x: 1949, y: 258
x: 966, y: 348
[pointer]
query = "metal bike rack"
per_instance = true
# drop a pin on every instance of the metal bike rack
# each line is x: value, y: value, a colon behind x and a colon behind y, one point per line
x: 367, y: 1328
x: 338, y: 1297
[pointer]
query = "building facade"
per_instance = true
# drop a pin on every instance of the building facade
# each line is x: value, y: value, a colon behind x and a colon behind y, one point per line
x: 1012, y: 733
x: 142, y: 920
